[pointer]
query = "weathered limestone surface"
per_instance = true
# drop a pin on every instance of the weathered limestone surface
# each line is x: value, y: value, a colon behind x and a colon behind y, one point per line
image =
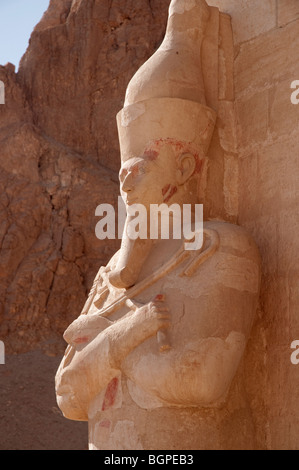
x: 266, y: 63
x: 250, y: 17
x: 90, y: 50
x: 288, y: 10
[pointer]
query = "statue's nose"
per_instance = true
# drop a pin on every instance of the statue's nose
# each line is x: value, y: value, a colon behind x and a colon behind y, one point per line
x: 127, y: 184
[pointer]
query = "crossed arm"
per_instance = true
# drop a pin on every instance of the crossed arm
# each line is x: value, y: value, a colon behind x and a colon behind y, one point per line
x: 196, y: 375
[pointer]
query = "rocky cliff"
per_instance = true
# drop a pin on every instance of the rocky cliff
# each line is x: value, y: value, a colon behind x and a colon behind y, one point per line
x: 59, y: 159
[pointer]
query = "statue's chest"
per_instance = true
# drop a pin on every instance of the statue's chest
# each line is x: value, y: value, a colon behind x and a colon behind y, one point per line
x: 186, y: 297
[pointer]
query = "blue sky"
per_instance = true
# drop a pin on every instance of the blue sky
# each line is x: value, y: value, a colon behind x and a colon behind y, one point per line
x: 17, y: 20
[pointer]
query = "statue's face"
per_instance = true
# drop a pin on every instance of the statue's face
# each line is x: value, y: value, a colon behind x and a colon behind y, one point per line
x: 150, y: 178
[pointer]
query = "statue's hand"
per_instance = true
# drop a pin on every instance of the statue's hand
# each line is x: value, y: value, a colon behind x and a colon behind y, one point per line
x: 152, y: 317
x: 136, y: 327
x: 85, y: 328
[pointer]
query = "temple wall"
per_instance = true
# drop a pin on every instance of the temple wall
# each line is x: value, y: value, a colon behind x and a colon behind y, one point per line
x: 267, y: 123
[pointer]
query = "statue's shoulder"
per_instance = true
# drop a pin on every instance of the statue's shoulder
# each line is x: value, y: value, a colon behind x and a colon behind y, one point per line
x: 229, y: 257
x: 234, y: 239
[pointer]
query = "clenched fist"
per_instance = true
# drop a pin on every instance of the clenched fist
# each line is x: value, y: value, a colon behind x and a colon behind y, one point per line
x: 152, y: 317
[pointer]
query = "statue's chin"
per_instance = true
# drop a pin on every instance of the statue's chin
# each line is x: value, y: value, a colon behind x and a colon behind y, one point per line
x: 132, y: 256
x: 122, y: 278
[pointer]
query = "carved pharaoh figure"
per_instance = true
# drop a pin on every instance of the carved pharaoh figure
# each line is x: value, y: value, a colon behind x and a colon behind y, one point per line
x: 152, y: 357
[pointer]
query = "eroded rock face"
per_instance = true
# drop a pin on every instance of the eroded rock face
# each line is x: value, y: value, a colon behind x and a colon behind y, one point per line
x: 60, y: 156
x: 89, y: 53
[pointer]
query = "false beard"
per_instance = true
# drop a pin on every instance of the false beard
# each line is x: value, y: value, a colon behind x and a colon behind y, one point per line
x: 133, y: 255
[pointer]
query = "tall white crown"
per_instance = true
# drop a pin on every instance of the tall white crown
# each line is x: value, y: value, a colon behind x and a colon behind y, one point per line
x: 166, y: 97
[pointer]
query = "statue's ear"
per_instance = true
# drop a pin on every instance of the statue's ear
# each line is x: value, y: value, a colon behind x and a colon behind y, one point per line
x: 186, y: 167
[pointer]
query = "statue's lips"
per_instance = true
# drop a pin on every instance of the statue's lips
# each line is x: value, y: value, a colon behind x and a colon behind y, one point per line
x: 130, y: 200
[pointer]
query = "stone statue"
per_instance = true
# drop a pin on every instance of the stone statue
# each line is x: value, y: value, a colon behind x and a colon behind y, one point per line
x: 152, y: 357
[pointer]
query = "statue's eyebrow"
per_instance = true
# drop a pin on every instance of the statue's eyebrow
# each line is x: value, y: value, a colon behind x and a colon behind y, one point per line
x: 122, y: 173
x: 137, y: 167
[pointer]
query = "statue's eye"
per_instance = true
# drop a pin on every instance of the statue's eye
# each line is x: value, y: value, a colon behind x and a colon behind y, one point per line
x: 141, y: 170
x: 136, y: 170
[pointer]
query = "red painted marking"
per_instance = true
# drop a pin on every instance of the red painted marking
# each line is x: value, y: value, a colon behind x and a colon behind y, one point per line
x: 179, y: 148
x: 105, y: 423
x: 82, y: 340
x: 173, y: 190
x: 198, y: 166
x: 110, y: 394
x: 166, y: 189
x: 159, y: 297
x: 151, y: 154
x: 123, y: 174
x: 135, y: 170
x: 178, y: 145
